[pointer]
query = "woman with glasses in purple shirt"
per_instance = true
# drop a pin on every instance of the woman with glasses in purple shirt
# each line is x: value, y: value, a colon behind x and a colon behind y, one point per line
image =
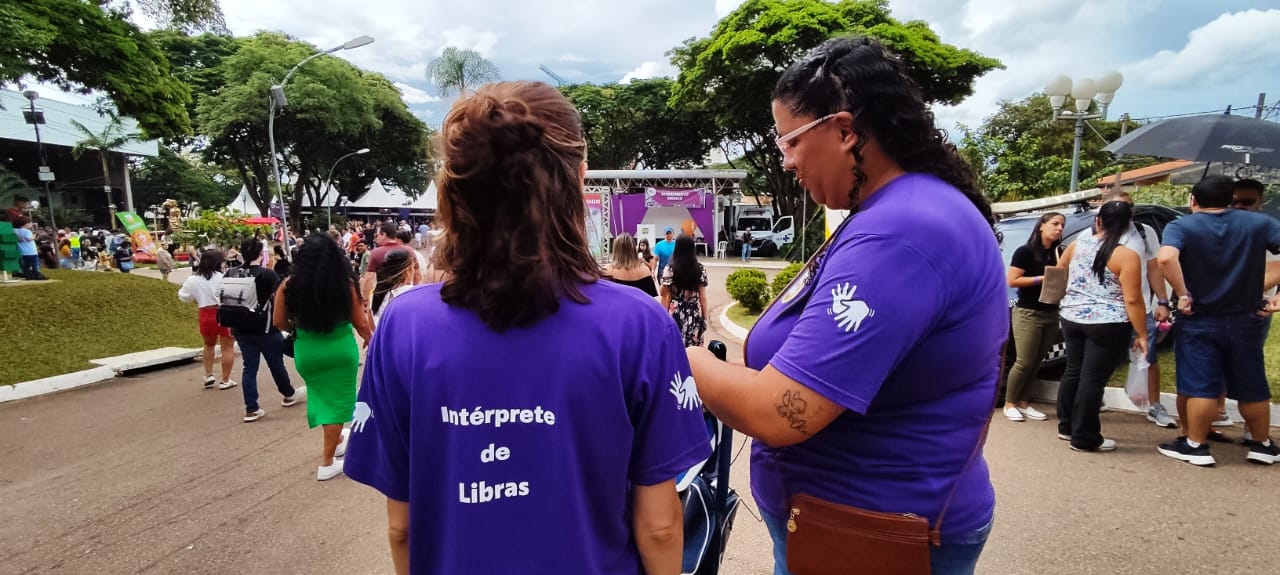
x: 870, y: 381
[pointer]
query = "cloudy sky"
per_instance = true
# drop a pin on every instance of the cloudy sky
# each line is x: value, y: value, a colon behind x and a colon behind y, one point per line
x: 1177, y: 56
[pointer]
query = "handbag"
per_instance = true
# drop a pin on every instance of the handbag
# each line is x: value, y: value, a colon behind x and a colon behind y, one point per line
x: 827, y: 538
x: 1054, y: 285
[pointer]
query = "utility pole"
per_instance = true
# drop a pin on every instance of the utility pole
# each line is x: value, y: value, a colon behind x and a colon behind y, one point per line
x: 1262, y: 101
x: 1124, y: 128
x: 35, y: 117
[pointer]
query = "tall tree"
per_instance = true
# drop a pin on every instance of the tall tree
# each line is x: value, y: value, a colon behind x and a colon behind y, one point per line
x: 113, y: 135
x: 1021, y: 152
x: 731, y: 73
x: 79, y: 45
x: 185, y: 15
x: 183, y: 177
x: 334, y: 108
x: 636, y: 123
x: 458, y: 70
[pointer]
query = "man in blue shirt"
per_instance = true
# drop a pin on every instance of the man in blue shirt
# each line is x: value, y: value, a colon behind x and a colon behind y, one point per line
x: 1215, y: 259
x: 29, y: 259
x: 664, y: 249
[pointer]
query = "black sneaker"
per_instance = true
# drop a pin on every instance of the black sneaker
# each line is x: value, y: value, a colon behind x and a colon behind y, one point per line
x: 1182, y: 451
x: 1263, y: 454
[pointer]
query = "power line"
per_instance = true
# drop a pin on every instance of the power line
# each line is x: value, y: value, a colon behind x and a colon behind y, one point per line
x: 1219, y: 111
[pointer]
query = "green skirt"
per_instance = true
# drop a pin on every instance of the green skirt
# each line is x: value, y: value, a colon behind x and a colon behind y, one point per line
x: 328, y: 363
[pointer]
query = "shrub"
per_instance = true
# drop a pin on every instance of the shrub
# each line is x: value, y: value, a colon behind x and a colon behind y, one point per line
x: 785, y: 276
x: 749, y: 288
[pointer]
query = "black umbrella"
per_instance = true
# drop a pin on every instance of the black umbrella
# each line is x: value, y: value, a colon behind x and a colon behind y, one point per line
x: 1212, y: 138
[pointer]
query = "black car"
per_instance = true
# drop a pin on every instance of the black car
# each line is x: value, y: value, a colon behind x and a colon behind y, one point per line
x: 1015, y: 231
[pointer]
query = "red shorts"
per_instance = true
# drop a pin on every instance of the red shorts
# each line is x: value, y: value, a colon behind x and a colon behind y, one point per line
x: 209, y: 328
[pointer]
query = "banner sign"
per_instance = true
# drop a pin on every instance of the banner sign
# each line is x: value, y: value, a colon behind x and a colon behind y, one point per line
x: 595, y: 223
x: 674, y: 198
x: 137, y: 230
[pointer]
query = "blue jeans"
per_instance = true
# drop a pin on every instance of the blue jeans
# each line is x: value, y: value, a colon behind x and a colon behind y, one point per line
x: 958, y: 554
x: 30, y: 267
x: 1222, y: 353
x: 746, y: 251
x: 253, y: 347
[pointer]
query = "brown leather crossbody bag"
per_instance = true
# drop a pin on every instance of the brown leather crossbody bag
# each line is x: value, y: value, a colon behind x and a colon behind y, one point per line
x: 826, y: 538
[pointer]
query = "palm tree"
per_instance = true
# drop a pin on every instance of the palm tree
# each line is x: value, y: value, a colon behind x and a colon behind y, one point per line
x: 458, y: 70
x: 112, y: 136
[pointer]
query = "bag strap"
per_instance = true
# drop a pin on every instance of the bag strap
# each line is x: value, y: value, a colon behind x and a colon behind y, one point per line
x: 935, y: 534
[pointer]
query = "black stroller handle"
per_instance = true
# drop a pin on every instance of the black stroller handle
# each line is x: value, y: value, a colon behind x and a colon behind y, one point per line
x: 723, y: 460
x: 719, y: 349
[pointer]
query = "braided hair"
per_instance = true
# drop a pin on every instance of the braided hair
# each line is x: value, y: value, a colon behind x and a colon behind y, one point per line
x: 857, y: 75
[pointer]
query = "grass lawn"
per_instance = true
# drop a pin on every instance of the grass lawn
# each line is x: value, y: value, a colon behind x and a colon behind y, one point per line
x: 738, y: 314
x: 57, y: 327
x: 1168, y: 378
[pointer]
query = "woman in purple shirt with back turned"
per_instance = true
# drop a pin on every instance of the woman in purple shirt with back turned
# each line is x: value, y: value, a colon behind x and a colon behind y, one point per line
x: 506, y: 413
x: 869, y: 382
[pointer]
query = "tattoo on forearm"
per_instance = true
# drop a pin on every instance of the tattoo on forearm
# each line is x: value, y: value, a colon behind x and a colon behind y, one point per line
x: 792, y: 409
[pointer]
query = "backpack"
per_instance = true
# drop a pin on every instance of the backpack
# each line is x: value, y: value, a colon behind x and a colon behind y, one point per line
x: 238, y: 305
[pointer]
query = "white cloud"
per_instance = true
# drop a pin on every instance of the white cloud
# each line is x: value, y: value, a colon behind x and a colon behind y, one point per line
x: 468, y: 38
x: 1157, y: 43
x: 650, y: 70
x: 413, y: 95
x: 724, y: 7
x: 1233, y: 45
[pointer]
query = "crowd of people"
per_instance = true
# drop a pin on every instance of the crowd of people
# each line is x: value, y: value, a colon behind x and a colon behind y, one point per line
x: 492, y: 347
x: 1117, y: 303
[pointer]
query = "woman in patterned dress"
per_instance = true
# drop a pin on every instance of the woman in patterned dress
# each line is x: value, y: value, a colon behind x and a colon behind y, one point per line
x: 684, y: 291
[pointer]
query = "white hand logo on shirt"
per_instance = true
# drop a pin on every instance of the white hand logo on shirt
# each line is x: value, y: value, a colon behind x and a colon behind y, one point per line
x: 362, y: 414
x: 686, y: 392
x: 848, y: 311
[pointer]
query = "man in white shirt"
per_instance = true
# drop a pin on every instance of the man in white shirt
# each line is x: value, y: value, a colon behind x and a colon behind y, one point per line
x: 1142, y: 239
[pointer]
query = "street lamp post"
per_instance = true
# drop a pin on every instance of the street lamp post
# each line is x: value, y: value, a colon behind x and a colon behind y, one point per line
x: 328, y: 180
x: 1083, y: 92
x: 278, y: 99
x: 35, y: 117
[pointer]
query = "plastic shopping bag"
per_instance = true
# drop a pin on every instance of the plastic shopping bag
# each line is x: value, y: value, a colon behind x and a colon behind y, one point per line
x: 1136, y: 385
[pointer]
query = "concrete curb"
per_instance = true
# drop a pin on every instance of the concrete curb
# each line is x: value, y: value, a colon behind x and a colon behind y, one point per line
x: 55, y: 383
x: 729, y: 327
x: 108, y: 368
x: 1117, y: 400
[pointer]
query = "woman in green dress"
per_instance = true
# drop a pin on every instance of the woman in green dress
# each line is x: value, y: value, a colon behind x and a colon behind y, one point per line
x: 320, y: 303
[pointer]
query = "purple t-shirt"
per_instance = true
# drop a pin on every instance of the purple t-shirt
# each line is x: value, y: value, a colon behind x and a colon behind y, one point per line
x: 903, y: 327
x: 517, y: 451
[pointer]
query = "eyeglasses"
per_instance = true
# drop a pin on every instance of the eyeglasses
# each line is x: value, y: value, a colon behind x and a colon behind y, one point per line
x: 791, y: 136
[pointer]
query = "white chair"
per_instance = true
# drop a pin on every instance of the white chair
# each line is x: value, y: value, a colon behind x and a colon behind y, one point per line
x: 722, y: 248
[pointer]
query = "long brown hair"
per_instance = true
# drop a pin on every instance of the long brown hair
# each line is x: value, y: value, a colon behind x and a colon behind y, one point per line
x: 511, y: 204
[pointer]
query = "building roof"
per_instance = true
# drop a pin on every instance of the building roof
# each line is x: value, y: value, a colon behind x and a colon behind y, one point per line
x: 1145, y: 173
x: 57, y: 129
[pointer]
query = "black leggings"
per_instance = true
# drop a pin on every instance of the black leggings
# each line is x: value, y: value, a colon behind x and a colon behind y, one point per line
x: 1093, y: 353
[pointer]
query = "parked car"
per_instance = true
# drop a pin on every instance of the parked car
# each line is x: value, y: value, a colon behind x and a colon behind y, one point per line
x: 1015, y: 231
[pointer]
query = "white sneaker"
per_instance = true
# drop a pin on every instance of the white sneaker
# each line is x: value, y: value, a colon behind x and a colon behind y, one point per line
x: 1013, y: 414
x: 252, y: 416
x: 1223, y: 420
x: 327, y: 472
x: 228, y: 384
x: 299, y: 396
x: 342, y: 446
x: 209, y: 381
x: 1032, y: 413
x: 1107, y: 445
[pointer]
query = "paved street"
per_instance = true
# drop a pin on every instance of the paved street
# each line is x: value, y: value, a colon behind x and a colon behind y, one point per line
x: 152, y: 474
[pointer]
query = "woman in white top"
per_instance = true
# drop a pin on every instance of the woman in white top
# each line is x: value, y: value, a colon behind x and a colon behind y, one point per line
x: 202, y: 288
x: 1104, y: 298
x: 398, y: 273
